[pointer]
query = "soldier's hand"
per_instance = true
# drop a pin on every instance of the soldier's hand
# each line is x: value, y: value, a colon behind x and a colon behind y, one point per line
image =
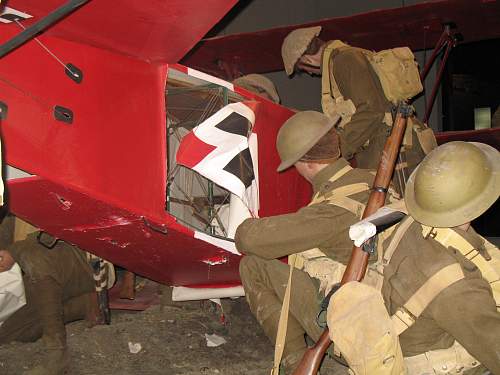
x: 6, y: 261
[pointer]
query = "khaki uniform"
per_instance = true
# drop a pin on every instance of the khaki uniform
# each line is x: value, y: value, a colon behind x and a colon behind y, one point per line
x: 465, y: 311
x: 359, y: 83
x: 364, y: 134
x: 58, y: 284
x: 320, y: 225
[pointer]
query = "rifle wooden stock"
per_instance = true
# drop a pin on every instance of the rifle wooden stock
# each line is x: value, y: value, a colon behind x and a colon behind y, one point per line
x: 356, y: 268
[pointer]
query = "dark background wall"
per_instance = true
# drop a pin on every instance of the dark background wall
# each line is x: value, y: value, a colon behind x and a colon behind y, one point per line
x: 471, y: 80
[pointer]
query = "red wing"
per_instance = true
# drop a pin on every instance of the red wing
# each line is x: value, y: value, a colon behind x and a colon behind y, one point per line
x: 418, y: 26
x: 152, y: 30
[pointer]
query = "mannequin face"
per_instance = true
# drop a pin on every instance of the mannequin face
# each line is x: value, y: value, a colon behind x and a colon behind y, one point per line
x: 311, y: 63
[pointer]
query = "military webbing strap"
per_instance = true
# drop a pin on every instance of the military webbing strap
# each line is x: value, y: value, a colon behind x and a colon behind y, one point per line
x: 407, y: 314
x: 490, y: 270
x: 342, y: 191
x: 329, y: 86
x: 340, y: 197
x: 396, y: 239
x: 332, y: 100
x: 283, y: 322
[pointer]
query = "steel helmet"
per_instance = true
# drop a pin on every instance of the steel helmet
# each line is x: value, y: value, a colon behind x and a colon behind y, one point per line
x: 299, y: 134
x: 257, y: 83
x: 295, y: 44
x: 454, y: 184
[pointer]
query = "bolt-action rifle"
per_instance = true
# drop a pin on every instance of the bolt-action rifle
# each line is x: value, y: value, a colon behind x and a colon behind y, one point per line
x: 358, y: 262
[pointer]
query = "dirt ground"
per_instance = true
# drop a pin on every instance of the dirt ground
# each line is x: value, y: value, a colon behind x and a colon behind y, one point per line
x: 172, y: 340
x: 169, y: 338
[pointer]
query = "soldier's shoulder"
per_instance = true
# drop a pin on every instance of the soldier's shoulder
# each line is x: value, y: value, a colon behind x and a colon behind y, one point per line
x: 426, y: 254
x: 362, y: 175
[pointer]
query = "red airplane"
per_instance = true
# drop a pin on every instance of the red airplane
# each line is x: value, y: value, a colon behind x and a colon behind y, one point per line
x: 93, y: 110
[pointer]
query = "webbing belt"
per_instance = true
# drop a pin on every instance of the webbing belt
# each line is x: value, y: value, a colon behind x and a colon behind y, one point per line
x: 283, y: 322
x: 406, y: 315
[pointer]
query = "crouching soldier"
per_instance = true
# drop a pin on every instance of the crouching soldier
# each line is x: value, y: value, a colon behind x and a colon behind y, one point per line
x: 437, y: 311
x: 59, y: 288
x: 317, y: 235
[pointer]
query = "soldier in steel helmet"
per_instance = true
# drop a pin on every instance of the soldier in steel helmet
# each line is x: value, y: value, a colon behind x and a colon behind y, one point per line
x: 440, y: 287
x: 309, y: 142
x: 352, y: 89
x: 260, y: 85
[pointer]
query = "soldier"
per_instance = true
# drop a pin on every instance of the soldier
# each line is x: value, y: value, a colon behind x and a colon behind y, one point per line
x: 356, y: 85
x: 259, y: 84
x: 59, y: 288
x: 441, y: 280
x: 340, y: 193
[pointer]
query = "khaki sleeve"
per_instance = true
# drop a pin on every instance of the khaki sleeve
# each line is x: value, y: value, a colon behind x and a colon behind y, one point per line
x: 358, y: 82
x: 468, y: 312
x: 282, y: 235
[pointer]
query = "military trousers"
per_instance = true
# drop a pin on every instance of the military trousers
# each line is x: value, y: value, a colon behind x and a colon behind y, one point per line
x: 265, y: 282
x: 25, y: 324
x: 58, y: 285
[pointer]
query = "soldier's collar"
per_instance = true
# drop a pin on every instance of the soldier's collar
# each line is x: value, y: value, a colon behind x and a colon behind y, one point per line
x: 326, y: 173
